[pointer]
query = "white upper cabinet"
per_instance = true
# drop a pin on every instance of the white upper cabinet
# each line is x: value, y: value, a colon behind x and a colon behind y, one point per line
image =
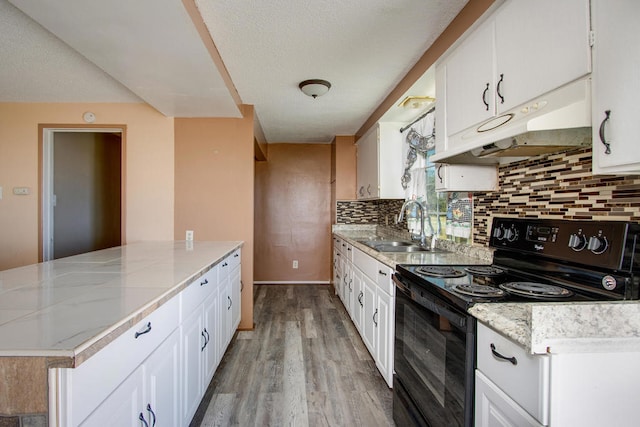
x: 540, y: 45
x: 470, y: 83
x: 379, y: 162
x: 523, y: 50
x: 616, y: 86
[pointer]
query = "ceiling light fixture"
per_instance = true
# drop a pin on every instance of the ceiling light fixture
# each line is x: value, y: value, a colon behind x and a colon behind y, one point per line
x: 415, y: 102
x: 315, y: 87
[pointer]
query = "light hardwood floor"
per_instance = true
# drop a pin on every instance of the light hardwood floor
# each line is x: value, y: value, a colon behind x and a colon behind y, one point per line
x: 303, y: 365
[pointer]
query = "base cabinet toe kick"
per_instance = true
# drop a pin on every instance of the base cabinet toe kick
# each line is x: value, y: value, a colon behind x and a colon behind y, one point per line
x: 157, y: 372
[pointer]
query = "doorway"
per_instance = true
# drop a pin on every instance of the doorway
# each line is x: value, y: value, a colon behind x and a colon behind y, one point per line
x: 82, y: 187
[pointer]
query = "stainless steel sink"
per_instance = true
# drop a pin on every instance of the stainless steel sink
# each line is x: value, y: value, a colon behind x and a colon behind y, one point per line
x: 402, y: 248
x: 395, y: 246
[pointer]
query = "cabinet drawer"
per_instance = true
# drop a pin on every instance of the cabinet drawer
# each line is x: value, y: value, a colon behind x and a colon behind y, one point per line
x: 368, y: 265
x: 383, y: 278
x: 235, y: 259
x: 98, y: 376
x: 526, y: 382
x: 349, y: 252
x: 198, y: 291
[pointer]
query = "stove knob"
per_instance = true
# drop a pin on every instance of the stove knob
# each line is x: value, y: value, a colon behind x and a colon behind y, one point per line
x: 598, y: 244
x: 512, y: 235
x: 577, y: 242
x: 499, y: 233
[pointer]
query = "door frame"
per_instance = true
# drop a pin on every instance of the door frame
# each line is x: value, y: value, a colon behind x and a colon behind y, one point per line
x: 45, y: 179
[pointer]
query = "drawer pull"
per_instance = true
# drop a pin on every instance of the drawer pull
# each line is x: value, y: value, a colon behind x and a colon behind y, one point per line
x: 151, y: 413
x: 146, y: 330
x: 204, y: 282
x: 144, y: 422
x: 513, y: 359
x: 382, y: 272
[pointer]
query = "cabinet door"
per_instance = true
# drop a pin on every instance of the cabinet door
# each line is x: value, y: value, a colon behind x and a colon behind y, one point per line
x: 123, y: 407
x: 358, y: 304
x: 493, y: 408
x: 162, y: 379
x: 336, y: 271
x: 192, y: 366
x: 211, y: 353
x: 225, y: 313
x: 367, y: 165
x: 616, y: 85
x: 469, y: 77
x: 540, y: 46
x: 466, y: 177
x: 236, y: 289
x: 369, y: 310
x: 384, y: 336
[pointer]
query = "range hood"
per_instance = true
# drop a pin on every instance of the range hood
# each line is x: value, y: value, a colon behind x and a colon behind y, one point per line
x: 556, y: 121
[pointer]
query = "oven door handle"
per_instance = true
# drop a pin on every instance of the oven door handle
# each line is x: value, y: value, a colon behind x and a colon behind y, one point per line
x: 432, y: 305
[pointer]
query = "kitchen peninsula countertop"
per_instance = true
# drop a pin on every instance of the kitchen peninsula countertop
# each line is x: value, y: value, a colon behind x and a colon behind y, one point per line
x: 74, y: 306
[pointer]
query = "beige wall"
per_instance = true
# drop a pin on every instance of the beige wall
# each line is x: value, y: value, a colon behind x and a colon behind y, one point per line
x: 149, y: 192
x: 293, y: 220
x: 214, y: 174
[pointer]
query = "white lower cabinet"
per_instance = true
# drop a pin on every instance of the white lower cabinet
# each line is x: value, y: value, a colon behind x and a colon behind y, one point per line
x: 149, y: 396
x: 589, y: 385
x: 156, y: 373
x: 494, y: 408
x: 367, y: 292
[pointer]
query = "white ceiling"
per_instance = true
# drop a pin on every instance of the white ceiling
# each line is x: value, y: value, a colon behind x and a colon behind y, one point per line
x: 151, y: 50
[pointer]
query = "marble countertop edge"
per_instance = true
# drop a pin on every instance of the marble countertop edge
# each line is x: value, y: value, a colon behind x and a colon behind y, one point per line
x: 211, y: 253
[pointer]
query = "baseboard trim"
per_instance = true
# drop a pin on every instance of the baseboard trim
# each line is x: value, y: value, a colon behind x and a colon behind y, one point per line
x: 291, y: 282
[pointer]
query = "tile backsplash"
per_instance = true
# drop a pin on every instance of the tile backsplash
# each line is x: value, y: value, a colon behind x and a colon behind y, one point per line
x: 379, y: 212
x: 557, y: 186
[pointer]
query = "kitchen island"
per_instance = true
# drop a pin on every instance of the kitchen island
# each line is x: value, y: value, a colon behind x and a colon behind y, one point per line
x: 59, y: 314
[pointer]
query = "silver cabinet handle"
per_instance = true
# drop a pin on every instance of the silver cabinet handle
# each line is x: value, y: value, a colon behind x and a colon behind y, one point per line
x: 607, y: 145
x: 374, y: 318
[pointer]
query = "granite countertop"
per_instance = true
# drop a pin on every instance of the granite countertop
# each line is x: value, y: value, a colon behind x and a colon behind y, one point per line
x: 557, y: 327
x: 459, y: 255
x: 72, y: 305
x: 541, y: 328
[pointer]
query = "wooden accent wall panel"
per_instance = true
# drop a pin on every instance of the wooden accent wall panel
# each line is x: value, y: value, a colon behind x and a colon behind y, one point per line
x: 293, y: 220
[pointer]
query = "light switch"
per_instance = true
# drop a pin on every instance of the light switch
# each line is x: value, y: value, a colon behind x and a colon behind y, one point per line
x: 20, y: 191
x: 0, y: 193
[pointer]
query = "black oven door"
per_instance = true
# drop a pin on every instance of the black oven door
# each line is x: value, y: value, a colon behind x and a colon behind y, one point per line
x: 434, y: 359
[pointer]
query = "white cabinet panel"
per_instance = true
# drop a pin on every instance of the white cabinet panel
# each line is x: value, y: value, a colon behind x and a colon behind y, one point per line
x: 466, y: 177
x: 379, y: 162
x: 540, y: 45
x: 122, y: 407
x: 192, y: 365
x: 384, y: 335
x: 493, y: 408
x: 162, y: 382
x: 615, y: 86
x: 470, y: 82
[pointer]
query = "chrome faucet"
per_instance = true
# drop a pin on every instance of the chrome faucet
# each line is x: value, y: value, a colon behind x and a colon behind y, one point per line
x: 423, y: 237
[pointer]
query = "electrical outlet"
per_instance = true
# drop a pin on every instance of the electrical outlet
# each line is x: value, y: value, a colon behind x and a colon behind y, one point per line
x: 295, y: 263
x: 189, y: 236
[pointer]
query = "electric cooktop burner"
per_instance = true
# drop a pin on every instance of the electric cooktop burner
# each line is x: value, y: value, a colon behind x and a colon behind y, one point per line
x: 480, y: 291
x: 535, y: 290
x: 439, y: 271
x: 484, y: 270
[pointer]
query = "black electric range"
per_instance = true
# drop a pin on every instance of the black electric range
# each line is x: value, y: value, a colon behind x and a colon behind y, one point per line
x: 542, y: 260
x: 534, y: 260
